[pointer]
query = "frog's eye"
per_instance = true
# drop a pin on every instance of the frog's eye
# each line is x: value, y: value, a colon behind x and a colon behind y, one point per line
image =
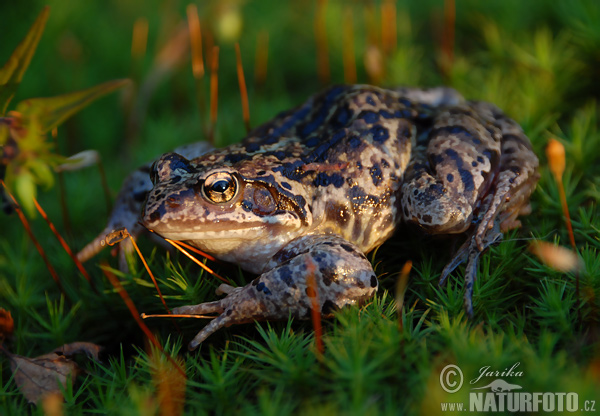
x: 219, y: 187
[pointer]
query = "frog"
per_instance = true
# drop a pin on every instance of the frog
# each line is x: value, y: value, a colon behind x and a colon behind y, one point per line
x: 302, y: 199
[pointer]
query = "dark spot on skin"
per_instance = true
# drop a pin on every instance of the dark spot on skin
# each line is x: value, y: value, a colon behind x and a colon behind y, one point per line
x: 327, y: 243
x: 338, y: 213
x: 348, y: 248
x: 450, y: 177
x: 229, y: 312
x: 320, y: 152
x: 452, y: 153
x: 175, y: 179
x: 403, y: 114
x: 509, y: 151
x: 260, y: 173
x: 479, y: 159
x: 328, y: 276
x: 380, y: 134
x: 437, y: 159
x: 271, y: 139
x: 354, y: 142
x: 292, y: 171
x: 404, y: 131
x: 369, y: 117
x: 155, y: 216
x: 473, y: 163
x: 416, y: 192
x: 467, y: 179
x: 427, y: 219
x: 234, y: 157
x: 285, y: 275
x: 293, y: 119
x: 255, y: 281
x: 247, y: 206
x: 487, y: 153
x: 450, y: 130
x: 373, y: 281
x: 384, y: 163
x: 511, y: 180
x: 405, y: 102
x: 286, y: 185
x: 328, y: 307
x: 516, y: 170
x: 476, y: 141
x: 386, y: 114
x: 342, y: 116
x: 252, y: 147
x: 324, y: 179
x: 405, y: 210
x: 376, y: 174
x: 370, y: 101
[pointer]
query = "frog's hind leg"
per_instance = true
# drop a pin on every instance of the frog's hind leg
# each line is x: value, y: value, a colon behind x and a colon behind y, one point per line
x: 342, y: 276
x: 470, y: 251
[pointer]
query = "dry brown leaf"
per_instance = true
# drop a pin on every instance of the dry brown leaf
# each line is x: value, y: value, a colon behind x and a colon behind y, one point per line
x: 7, y: 325
x: 91, y: 350
x: 44, y: 375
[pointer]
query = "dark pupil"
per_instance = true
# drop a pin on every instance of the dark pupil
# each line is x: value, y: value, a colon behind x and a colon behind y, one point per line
x: 220, y: 186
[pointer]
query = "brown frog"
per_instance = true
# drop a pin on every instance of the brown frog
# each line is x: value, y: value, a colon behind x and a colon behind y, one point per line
x: 309, y: 192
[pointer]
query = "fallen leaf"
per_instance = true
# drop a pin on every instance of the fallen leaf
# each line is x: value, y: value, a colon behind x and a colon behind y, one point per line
x: 42, y: 376
x: 91, y: 350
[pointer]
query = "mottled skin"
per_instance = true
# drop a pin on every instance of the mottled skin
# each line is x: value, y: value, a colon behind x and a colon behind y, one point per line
x: 306, y: 194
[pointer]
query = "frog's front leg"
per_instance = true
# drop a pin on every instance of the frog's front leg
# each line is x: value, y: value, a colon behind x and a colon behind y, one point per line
x: 342, y: 275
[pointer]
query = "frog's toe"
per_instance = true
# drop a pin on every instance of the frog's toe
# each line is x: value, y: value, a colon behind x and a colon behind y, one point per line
x: 240, y: 306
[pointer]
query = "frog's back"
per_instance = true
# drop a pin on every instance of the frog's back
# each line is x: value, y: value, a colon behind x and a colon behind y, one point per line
x: 342, y: 156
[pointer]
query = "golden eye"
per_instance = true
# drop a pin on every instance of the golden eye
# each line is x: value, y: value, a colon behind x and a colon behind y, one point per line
x: 219, y: 187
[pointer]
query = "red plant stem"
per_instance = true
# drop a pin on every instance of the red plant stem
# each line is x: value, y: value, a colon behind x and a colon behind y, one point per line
x: 243, y: 90
x: 136, y: 315
x: 195, y: 260
x: 35, y: 242
x: 64, y: 244
x: 312, y: 292
x: 214, y: 92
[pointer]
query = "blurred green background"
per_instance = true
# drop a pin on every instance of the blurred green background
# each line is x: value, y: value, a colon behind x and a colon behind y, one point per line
x: 537, y: 60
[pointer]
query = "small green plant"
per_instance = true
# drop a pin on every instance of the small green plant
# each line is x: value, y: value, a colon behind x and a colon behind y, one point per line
x: 26, y: 157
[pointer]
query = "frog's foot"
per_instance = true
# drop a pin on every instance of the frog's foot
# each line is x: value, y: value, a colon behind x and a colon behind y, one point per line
x: 342, y: 276
x: 470, y: 251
